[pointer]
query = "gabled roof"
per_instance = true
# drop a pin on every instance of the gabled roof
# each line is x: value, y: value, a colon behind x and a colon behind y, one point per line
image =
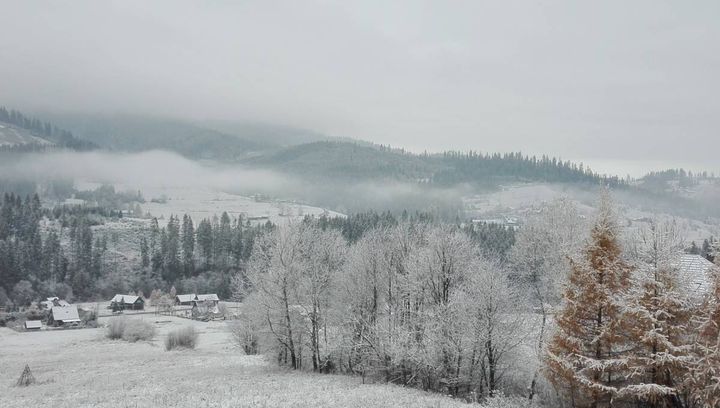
x: 33, y: 324
x: 126, y: 299
x: 65, y: 314
x: 694, y: 274
x: 186, y: 298
x: 208, y: 296
x: 50, y: 299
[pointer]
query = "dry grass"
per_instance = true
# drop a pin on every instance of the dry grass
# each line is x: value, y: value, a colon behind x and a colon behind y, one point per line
x: 81, y: 368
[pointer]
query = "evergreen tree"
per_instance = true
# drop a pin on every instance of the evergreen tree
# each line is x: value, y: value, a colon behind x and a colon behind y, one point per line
x: 172, y: 249
x: 188, y: 246
x: 144, y: 253
x: 704, y: 377
x: 587, y: 356
x: 658, y: 313
x: 205, y: 241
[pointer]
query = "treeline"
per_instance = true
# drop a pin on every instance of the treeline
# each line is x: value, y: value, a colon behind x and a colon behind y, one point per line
x: 478, y: 167
x: 493, y: 239
x: 198, y: 259
x: 60, y: 137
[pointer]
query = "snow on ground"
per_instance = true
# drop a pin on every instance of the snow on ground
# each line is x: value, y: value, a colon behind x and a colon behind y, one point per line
x: 81, y: 368
x: 200, y: 203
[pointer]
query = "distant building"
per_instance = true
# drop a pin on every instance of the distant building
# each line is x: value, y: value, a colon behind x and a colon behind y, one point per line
x: 192, y: 299
x: 694, y: 274
x: 210, y: 298
x: 127, y: 302
x: 33, y: 325
x: 62, y: 315
x: 50, y: 302
x: 185, y: 300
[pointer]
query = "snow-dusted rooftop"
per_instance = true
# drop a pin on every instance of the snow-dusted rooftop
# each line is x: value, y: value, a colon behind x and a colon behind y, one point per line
x: 126, y: 299
x: 694, y: 273
x: 65, y: 314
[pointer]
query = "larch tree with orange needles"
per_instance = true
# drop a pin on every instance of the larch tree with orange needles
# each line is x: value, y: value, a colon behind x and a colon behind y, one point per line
x: 586, y: 359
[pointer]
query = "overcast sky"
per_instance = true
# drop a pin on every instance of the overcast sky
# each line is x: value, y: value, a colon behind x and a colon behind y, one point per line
x: 604, y: 79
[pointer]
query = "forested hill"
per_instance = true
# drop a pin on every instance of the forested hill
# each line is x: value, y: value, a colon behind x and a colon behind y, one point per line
x: 19, y: 132
x: 284, y: 149
x: 346, y: 160
x: 139, y: 133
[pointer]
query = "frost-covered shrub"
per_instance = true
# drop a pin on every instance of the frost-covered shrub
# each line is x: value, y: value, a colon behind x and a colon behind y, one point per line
x: 246, y: 335
x: 130, y: 330
x: 181, y: 338
x: 115, y: 329
x: 138, y: 330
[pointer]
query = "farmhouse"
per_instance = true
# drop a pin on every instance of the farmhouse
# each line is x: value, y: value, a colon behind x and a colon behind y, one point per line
x: 33, y: 325
x: 62, y: 315
x: 127, y: 302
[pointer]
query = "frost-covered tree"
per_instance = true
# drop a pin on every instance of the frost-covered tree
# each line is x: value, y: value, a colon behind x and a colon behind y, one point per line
x: 274, y: 274
x: 324, y: 255
x: 587, y: 356
x: 495, y: 322
x: 540, y: 259
x: 659, y: 313
x: 703, y: 379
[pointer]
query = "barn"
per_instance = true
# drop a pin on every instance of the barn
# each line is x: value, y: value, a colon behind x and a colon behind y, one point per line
x: 62, y: 315
x: 127, y: 302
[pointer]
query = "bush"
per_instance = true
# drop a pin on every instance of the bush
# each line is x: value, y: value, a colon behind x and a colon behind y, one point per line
x: 138, y: 330
x: 181, y: 338
x: 246, y: 335
x: 115, y: 329
x: 130, y: 330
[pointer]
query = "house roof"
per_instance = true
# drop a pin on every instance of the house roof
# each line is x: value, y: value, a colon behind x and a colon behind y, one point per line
x: 186, y: 298
x: 65, y: 313
x: 126, y: 299
x: 208, y: 296
x: 33, y: 324
x: 694, y: 273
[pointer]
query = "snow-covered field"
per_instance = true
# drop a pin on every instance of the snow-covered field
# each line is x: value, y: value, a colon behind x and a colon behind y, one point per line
x: 81, y: 368
x: 200, y: 203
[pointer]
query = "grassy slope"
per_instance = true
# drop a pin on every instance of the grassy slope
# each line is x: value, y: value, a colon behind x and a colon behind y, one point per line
x: 80, y: 368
